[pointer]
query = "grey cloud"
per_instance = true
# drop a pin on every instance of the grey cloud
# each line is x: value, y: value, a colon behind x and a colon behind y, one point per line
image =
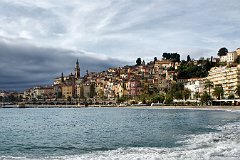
x: 117, y: 28
x: 26, y: 66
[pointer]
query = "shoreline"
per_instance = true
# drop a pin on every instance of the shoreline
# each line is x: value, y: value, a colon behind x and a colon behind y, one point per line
x: 214, y: 108
x: 226, y: 108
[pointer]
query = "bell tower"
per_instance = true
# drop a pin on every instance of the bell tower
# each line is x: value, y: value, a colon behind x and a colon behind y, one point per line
x: 77, y: 70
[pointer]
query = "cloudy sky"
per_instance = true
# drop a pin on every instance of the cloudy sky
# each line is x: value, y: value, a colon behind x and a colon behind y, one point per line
x: 41, y: 39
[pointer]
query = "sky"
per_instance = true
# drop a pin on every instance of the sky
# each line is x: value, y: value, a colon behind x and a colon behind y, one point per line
x: 41, y: 39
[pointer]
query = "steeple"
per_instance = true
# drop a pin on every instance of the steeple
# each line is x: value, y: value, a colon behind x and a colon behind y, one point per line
x: 62, y: 78
x: 77, y: 70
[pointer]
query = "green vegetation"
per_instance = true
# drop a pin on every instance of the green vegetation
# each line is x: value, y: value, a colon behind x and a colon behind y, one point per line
x: 208, y: 85
x: 218, y: 92
x: 175, y: 57
x: 168, y: 98
x: 237, y: 91
x: 222, y: 51
x: 191, y: 70
x: 138, y: 61
x: 155, y: 59
x: 231, y: 96
x: 178, y: 91
x: 237, y: 60
x: 188, y: 58
x: 206, y: 98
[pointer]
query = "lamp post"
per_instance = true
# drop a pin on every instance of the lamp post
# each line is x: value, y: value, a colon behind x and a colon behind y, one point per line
x: 196, y: 92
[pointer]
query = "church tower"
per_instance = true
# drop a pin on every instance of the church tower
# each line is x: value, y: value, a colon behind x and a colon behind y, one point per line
x: 77, y: 70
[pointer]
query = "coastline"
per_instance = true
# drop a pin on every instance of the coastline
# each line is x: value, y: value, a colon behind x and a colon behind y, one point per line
x: 223, y: 108
x: 226, y: 108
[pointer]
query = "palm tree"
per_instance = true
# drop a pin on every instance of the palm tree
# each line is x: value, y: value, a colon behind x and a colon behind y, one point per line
x: 208, y: 85
x: 186, y: 93
x: 205, y: 98
x: 196, y: 95
x: 237, y: 90
x: 218, y: 92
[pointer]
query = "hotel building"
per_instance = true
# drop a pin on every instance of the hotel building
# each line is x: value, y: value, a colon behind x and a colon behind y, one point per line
x: 228, y: 77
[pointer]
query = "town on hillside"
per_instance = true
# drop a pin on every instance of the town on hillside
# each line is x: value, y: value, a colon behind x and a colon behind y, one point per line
x: 168, y: 81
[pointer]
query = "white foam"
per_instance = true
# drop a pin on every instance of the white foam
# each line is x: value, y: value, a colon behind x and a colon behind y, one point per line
x: 224, y: 144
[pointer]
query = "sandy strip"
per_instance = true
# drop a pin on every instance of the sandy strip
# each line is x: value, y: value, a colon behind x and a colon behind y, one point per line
x: 225, y: 108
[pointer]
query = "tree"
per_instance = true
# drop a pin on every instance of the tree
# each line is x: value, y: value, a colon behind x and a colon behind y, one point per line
x: 238, y: 60
x: 218, y: 92
x: 11, y: 98
x: 101, y: 94
x: 176, y: 90
x: 189, y: 70
x: 92, y: 91
x: 69, y: 98
x: 205, y: 98
x: 222, y: 51
x: 188, y: 58
x: 231, y: 96
x: 208, y: 85
x: 158, y: 98
x: 168, y: 99
x: 186, y: 93
x: 58, y: 94
x: 166, y: 55
x: 178, y: 95
x: 207, y: 65
x: 197, y: 95
x: 155, y: 59
x: 175, y: 57
x: 237, y: 90
x: 139, y: 61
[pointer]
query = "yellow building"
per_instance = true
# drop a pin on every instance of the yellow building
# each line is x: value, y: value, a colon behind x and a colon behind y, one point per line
x: 68, y: 91
x: 80, y: 92
x: 228, y: 77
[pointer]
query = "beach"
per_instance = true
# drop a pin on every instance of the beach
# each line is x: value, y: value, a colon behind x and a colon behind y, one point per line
x: 230, y: 108
x: 233, y: 108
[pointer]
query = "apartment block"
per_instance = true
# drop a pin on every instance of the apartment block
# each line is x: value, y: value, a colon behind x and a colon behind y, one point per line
x: 228, y: 77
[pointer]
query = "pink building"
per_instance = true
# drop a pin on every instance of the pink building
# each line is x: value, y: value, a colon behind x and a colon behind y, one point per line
x: 133, y: 88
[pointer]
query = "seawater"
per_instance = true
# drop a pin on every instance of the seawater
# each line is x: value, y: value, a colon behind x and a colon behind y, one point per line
x: 119, y: 133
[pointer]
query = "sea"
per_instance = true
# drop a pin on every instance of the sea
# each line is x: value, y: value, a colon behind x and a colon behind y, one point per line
x: 119, y: 134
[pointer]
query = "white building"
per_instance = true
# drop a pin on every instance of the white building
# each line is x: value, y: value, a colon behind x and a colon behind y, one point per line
x: 195, y: 85
x: 231, y: 56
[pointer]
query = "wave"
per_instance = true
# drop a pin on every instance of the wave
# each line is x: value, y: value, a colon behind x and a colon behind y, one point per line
x: 224, y: 144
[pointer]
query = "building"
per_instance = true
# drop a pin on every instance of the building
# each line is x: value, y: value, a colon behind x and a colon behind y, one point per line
x: 231, y: 56
x: 65, y: 86
x: 196, y: 86
x: 79, y: 91
x: 68, y: 91
x: 77, y: 70
x: 227, y: 77
x: 134, y: 88
x: 57, y: 89
x: 46, y: 92
x: 70, y: 79
x: 162, y: 84
x: 3, y: 93
x: 85, y: 90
